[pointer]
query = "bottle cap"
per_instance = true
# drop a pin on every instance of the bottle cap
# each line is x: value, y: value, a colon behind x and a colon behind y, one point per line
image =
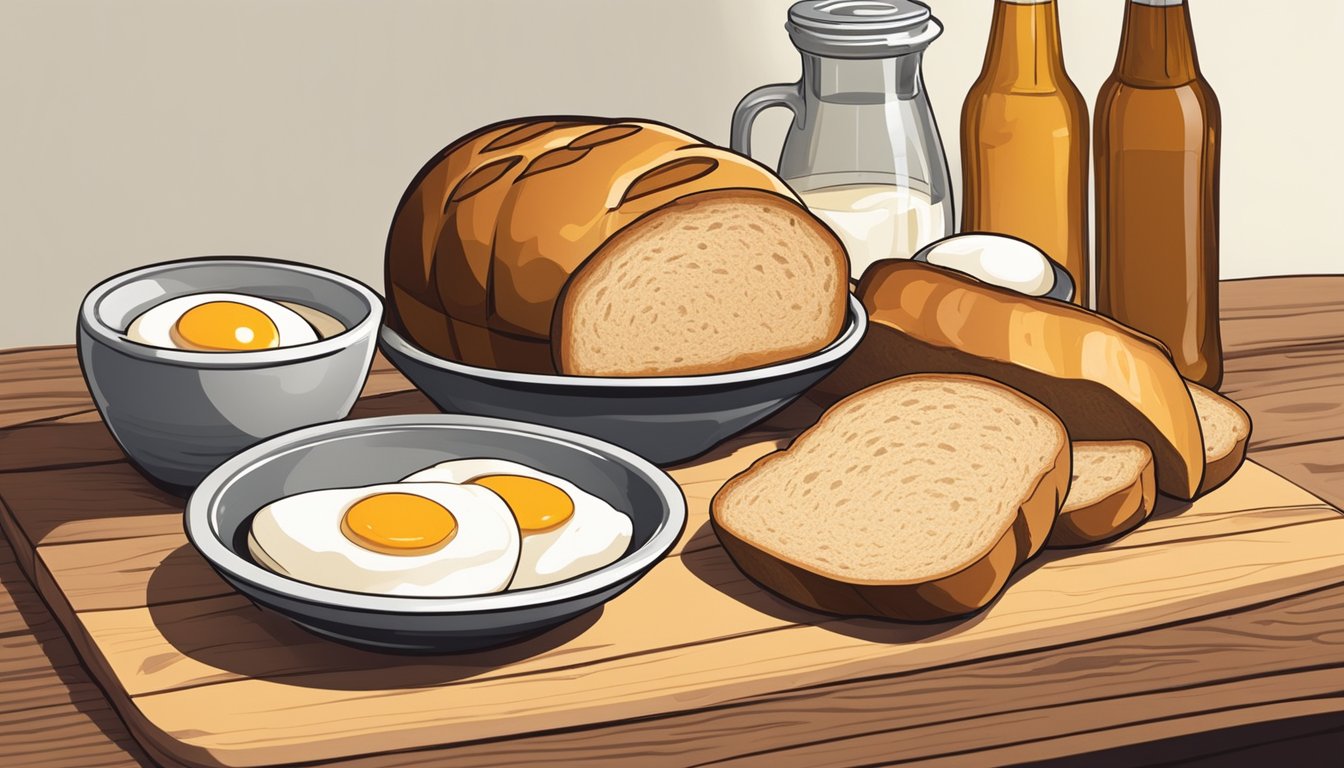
x: 861, y: 29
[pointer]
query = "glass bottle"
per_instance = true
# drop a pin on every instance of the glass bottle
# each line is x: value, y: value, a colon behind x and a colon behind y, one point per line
x: 1024, y: 140
x: 1157, y: 134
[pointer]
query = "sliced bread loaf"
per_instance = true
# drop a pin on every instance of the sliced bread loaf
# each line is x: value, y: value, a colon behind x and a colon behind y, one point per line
x: 1113, y: 488
x: 1112, y: 491
x: 914, y: 499
x: 1104, y: 380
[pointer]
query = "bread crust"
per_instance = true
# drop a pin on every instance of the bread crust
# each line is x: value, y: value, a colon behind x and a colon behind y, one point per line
x: 947, y: 596
x: 1104, y: 381
x: 521, y: 207
x: 1111, y: 516
x: 416, y: 307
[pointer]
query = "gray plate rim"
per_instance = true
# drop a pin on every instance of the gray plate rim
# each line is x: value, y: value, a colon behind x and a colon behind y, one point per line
x: 203, y: 536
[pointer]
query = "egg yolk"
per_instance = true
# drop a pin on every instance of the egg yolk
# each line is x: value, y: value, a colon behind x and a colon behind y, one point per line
x: 226, y: 326
x: 399, y: 524
x: 536, y: 504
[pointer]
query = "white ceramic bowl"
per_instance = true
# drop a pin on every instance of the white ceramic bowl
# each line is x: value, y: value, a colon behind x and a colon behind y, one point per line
x: 179, y: 414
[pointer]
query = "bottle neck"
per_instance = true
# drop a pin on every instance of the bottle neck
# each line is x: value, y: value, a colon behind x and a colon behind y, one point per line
x: 1158, y: 46
x: 1024, y: 51
x: 861, y: 81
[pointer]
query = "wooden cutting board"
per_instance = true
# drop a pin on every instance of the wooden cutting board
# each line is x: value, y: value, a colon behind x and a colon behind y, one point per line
x: 205, y: 678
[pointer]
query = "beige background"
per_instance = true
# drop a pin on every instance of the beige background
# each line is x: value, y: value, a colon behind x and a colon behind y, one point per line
x: 146, y: 130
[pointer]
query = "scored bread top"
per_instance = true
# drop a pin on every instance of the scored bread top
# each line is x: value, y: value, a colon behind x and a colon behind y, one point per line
x: 904, y: 482
x: 494, y: 227
x: 413, y: 255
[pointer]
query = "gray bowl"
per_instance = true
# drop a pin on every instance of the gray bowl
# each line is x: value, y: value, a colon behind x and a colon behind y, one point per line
x: 367, y: 451
x: 178, y: 414
x: 665, y: 419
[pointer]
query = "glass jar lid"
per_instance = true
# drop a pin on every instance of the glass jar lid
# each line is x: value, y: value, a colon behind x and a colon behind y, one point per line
x: 861, y: 29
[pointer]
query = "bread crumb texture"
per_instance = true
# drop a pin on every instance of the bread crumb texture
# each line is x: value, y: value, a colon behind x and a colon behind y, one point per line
x: 1102, y: 468
x: 904, y: 481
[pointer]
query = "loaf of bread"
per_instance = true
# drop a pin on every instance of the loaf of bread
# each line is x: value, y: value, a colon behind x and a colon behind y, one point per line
x: 1104, y: 380
x: 914, y: 499
x: 597, y: 247
x: 1113, y: 490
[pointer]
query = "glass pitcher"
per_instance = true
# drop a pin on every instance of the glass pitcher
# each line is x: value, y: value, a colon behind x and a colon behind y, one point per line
x: 863, y: 151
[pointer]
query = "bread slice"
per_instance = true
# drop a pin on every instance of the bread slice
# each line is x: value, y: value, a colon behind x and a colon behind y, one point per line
x: 1112, y: 491
x: 667, y: 297
x: 1226, y: 428
x: 914, y: 499
x: 1105, y: 381
x: 1113, y: 488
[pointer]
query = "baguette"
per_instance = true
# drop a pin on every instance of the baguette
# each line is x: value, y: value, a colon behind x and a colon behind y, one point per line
x: 914, y: 499
x: 1105, y: 381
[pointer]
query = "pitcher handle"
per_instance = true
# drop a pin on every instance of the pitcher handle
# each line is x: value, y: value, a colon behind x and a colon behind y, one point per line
x: 780, y: 95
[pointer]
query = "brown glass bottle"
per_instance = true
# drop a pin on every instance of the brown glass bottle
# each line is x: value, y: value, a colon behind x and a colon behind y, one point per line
x: 1024, y: 140
x: 1158, y: 129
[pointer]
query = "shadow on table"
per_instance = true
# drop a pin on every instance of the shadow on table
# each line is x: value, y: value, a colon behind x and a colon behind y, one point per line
x: 234, y: 637
x: 710, y: 563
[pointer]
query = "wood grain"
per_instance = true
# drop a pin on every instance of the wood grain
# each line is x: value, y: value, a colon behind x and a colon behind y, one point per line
x: 1277, y: 332
x: 1319, y: 465
x: 182, y: 657
x: 65, y: 735
x: 51, y: 712
x: 1306, y: 409
x: 40, y: 383
x: 1269, y: 314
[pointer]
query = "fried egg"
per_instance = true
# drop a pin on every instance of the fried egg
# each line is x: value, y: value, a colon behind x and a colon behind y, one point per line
x: 220, y: 322
x: 412, y: 539
x: 566, y: 531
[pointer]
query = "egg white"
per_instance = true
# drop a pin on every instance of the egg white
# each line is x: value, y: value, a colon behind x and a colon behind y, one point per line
x: 300, y: 536
x: 596, y: 535
x: 155, y: 325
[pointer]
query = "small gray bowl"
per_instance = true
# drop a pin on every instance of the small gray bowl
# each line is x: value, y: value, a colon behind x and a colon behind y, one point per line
x: 666, y: 419
x: 178, y: 414
x: 379, y: 450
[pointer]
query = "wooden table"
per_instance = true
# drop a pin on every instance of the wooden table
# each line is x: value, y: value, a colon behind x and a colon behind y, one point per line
x: 1284, y: 344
